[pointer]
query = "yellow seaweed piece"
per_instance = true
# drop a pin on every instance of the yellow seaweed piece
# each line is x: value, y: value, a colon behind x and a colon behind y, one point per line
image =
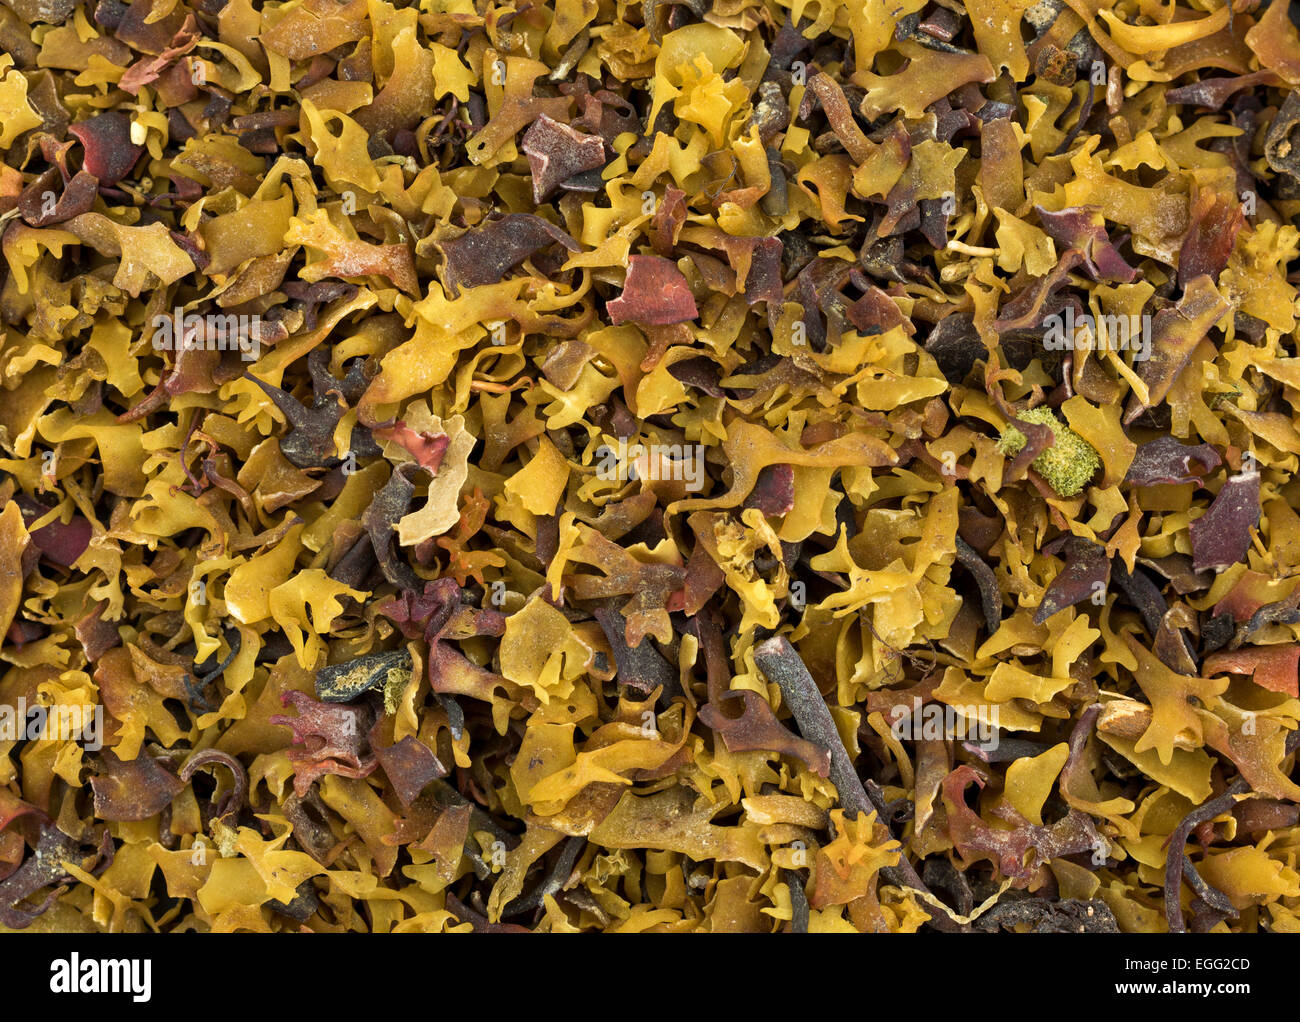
x: 1030, y: 781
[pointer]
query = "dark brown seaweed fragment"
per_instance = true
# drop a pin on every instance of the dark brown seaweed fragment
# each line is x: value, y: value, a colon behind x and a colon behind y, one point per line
x: 484, y: 254
x: 1142, y: 594
x: 1086, y: 572
x: 1213, y: 93
x: 1069, y: 915
x: 310, y: 440
x: 555, y: 880
x: 74, y: 197
x: 43, y: 867
x: 1216, y: 219
x: 642, y: 667
x: 990, y: 594
x: 409, y: 765
x: 380, y: 519
x: 1282, y: 143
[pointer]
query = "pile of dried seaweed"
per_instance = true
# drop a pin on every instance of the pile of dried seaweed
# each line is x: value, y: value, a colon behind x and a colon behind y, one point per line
x: 598, y: 465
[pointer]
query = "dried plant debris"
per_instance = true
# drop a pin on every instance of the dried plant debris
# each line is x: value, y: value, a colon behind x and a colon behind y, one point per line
x: 742, y: 465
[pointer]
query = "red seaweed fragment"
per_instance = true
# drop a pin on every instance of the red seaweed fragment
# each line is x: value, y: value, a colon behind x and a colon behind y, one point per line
x: 556, y: 153
x: 1215, y: 223
x: 756, y: 727
x: 655, y: 293
x: 106, y: 138
x: 1221, y: 536
x: 1166, y: 462
x: 1009, y: 849
x: 485, y: 254
x: 61, y: 543
x: 133, y: 789
x: 1085, y: 230
x: 334, y: 735
x: 409, y: 765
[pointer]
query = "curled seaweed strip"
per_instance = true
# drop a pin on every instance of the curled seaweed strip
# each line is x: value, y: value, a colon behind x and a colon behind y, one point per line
x: 209, y: 758
x: 1175, y: 860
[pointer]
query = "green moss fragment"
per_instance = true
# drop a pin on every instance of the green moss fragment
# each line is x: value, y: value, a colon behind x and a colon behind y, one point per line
x: 1067, y: 465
